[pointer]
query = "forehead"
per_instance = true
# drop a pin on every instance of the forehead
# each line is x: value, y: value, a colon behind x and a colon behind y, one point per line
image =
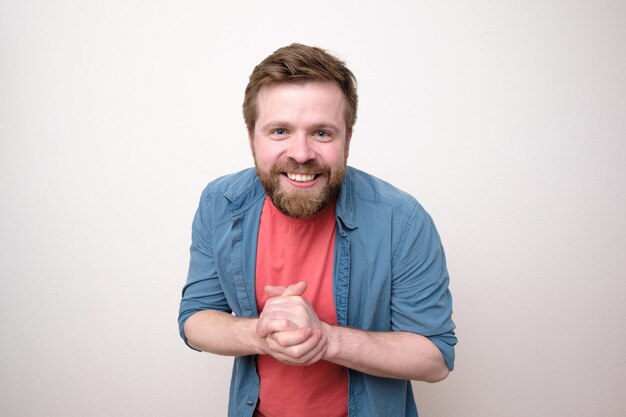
x: 301, y: 98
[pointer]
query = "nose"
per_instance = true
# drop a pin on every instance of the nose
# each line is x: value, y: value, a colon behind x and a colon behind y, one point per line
x: 300, y: 149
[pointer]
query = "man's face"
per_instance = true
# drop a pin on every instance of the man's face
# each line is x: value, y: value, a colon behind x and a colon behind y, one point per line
x: 300, y: 145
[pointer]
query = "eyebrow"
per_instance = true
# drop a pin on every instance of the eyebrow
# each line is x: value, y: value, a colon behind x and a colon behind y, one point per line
x: 326, y: 126
x: 275, y: 124
x: 317, y: 126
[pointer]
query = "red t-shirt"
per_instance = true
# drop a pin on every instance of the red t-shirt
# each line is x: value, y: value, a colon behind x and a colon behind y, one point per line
x: 291, y: 250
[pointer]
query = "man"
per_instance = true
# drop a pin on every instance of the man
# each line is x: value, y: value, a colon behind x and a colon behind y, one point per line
x: 328, y: 285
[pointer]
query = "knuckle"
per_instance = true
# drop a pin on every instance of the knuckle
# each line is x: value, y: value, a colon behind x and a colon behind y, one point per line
x: 297, y: 351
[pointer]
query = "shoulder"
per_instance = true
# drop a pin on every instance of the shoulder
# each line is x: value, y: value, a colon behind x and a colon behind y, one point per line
x: 368, y: 190
x: 231, y: 191
x: 232, y: 184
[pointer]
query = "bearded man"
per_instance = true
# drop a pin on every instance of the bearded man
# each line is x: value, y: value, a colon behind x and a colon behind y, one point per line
x: 328, y: 285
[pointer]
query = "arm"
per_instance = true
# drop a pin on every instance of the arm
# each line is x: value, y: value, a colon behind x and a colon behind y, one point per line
x: 205, y: 319
x: 224, y: 334
x: 421, y: 345
x: 400, y: 355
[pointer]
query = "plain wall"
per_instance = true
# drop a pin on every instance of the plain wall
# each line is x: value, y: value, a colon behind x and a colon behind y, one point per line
x: 507, y: 120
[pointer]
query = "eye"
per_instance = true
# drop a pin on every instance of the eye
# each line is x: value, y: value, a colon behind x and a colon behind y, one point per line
x: 322, y: 134
x: 279, y: 131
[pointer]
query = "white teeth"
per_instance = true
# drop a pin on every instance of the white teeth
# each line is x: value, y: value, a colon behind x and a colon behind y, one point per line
x: 300, y: 177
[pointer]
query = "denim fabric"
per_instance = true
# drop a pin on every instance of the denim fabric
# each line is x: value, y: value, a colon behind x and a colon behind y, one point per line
x: 389, y: 274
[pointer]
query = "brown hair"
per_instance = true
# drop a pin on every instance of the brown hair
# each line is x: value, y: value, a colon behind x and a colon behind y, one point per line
x: 297, y: 63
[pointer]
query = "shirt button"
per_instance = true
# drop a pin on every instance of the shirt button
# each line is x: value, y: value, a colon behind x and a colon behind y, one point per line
x: 250, y: 402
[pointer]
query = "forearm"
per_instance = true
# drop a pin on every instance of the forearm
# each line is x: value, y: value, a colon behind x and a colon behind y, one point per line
x: 399, y: 355
x: 222, y: 333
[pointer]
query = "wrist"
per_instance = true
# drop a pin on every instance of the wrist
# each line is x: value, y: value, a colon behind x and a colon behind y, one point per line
x: 332, y: 341
x: 256, y: 342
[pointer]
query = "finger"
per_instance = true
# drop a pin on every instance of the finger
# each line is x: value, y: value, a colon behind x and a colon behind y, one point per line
x: 274, y: 290
x: 293, y: 308
x: 293, y: 351
x: 268, y: 325
x: 320, y: 354
x: 291, y: 338
x: 285, y: 320
x: 316, y: 353
x: 292, y: 356
x: 295, y: 289
x: 301, y: 353
x: 277, y: 290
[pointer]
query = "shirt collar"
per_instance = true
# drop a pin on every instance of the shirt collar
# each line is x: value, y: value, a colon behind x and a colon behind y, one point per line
x: 247, y: 190
x: 345, y: 206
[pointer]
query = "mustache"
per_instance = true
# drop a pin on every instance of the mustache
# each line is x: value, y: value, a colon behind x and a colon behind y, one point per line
x: 309, y: 167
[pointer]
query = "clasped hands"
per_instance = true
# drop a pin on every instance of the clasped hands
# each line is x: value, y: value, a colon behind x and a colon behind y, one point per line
x: 292, y: 332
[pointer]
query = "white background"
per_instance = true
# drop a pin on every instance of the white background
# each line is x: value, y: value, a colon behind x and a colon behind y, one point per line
x: 506, y: 119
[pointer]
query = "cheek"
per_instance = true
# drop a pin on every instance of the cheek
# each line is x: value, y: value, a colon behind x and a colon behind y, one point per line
x: 334, y: 157
x: 265, y: 155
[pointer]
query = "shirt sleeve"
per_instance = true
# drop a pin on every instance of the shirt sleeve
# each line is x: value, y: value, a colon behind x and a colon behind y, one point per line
x: 420, y: 298
x: 202, y: 291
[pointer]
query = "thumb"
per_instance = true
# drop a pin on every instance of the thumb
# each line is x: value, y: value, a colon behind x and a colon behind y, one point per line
x: 295, y: 289
x: 274, y: 290
x: 277, y: 290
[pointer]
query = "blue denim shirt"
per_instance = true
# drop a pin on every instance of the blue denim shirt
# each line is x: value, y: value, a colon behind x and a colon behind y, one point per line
x: 389, y: 275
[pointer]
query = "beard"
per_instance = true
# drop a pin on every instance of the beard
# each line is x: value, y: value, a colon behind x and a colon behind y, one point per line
x: 301, y: 203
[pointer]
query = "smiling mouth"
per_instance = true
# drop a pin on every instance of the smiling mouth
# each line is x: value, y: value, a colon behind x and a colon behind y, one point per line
x: 300, y: 177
